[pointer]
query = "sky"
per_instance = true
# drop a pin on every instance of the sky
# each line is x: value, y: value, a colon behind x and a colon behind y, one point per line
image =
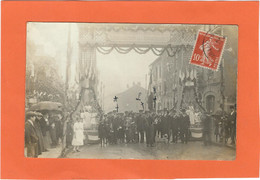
x: 116, y: 70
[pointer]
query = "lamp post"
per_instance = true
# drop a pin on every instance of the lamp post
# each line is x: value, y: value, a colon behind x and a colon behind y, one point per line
x: 115, y: 100
x: 155, y: 98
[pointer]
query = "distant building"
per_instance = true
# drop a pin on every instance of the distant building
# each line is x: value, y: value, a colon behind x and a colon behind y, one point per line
x: 127, y: 99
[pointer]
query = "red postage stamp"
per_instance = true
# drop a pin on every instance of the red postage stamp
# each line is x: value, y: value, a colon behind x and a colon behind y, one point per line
x: 208, y: 50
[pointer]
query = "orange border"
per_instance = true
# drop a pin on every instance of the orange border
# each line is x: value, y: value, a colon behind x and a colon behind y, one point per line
x: 14, y: 18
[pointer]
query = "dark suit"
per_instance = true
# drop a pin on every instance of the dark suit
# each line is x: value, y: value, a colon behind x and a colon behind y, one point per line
x: 174, y: 127
x: 41, y: 147
x: 44, y: 126
x: 140, y: 127
x: 150, y: 134
x: 184, y: 128
x: 31, y: 140
x: 206, y: 122
x: 232, y: 118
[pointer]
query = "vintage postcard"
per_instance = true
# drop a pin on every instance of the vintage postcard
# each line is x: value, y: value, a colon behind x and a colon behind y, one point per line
x: 131, y: 91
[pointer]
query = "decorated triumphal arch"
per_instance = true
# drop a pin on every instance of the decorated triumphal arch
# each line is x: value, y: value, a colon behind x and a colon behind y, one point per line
x: 173, y: 44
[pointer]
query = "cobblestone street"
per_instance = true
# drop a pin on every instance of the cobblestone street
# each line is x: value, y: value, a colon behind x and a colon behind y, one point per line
x: 190, y: 151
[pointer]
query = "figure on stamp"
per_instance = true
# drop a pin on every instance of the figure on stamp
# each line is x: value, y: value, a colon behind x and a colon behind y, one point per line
x: 206, y: 48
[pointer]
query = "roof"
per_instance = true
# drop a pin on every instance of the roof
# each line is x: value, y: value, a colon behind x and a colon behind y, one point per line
x: 127, y: 99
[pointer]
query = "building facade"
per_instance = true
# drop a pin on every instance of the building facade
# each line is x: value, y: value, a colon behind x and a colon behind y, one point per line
x: 175, y: 83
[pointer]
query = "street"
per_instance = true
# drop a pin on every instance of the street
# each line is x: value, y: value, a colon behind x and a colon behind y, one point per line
x: 191, y: 151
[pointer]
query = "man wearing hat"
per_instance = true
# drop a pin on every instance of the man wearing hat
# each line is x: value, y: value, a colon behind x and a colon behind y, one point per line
x: 149, y: 127
x: 31, y: 138
x: 37, y: 126
x: 184, y: 127
x: 232, y: 119
x: 140, y: 121
x: 174, y: 127
x: 206, y: 132
x: 45, y: 127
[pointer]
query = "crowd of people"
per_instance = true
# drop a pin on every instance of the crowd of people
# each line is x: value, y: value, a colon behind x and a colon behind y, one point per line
x: 225, y: 127
x: 42, y: 132
x: 130, y: 127
x: 169, y: 126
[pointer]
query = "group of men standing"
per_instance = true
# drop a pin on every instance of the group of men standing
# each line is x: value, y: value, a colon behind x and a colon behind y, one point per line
x: 143, y: 127
x: 41, y: 133
x: 225, y: 127
x: 170, y: 126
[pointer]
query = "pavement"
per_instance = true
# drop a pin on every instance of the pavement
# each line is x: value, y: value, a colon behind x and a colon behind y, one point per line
x: 192, y: 151
x: 228, y: 144
x: 52, y: 152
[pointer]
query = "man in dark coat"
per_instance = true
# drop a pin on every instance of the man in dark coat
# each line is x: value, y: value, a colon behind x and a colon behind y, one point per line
x: 158, y: 124
x: 184, y: 127
x: 140, y: 126
x: 168, y: 126
x: 31, y: 138
x: 174, y: 126
x: 149, y: 130
x: 53, y: 130
x: 232, y: 119
x: 59, y: 128
x: 102, y: 133
x: 45, y: 127
x: 37, y: 126
x: 121, y: 128
x: 69, y: 132
x: 206, y: 132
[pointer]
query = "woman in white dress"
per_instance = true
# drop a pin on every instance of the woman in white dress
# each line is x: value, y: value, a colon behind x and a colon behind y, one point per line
x: 78, y: 135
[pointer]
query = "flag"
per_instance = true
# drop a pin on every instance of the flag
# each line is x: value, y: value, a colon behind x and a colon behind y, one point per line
x: 187, y: 73
x: 182, y: 76
x: 192, y: 74
x: 195, y: 73
x: 151, y: 77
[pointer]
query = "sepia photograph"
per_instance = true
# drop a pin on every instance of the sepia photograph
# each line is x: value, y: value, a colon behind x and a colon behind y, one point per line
x: 131, y: 91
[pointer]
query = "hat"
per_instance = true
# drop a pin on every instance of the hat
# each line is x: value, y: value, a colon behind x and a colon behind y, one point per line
x: 30, y: 114
x: 39, y: 114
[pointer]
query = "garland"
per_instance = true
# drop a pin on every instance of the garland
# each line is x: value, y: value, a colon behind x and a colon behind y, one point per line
x: 157, y: 51
x: 125, y: 27
x: 195, y: 94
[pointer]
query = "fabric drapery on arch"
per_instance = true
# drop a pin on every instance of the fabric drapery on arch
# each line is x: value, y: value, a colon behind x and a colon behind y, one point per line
x: 171, y: 51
